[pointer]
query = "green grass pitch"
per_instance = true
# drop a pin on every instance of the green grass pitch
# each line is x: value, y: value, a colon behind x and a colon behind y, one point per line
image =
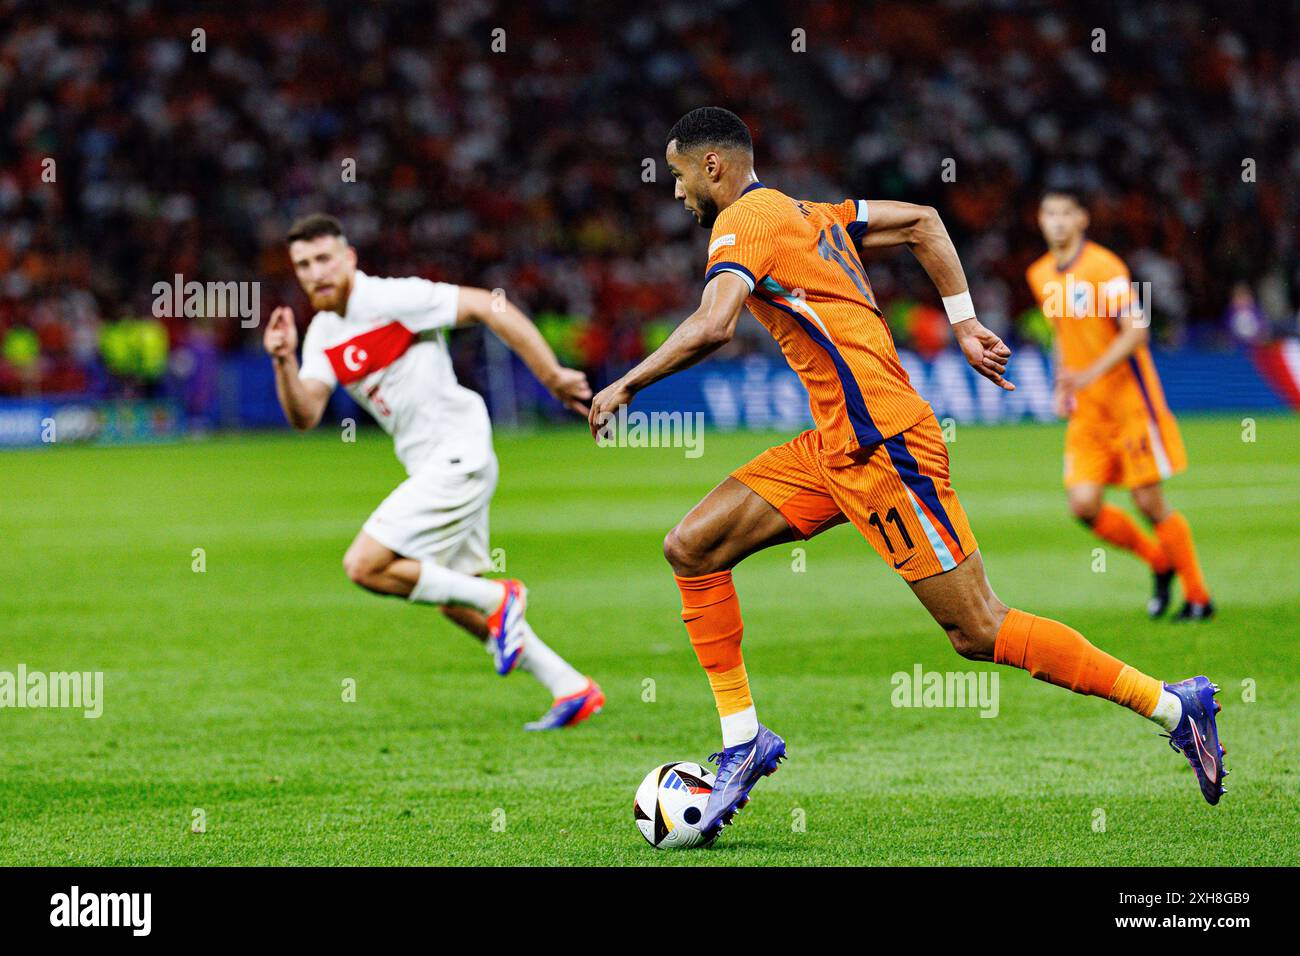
x: 223, y: 689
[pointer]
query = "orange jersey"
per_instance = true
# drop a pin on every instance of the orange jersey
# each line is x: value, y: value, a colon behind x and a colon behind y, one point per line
x: 808, y: 288
x: 1082, y: 301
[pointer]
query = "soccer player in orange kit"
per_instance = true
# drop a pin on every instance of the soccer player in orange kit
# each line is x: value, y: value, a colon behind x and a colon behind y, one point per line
x: 875, y: 457
x: 1121, y: 431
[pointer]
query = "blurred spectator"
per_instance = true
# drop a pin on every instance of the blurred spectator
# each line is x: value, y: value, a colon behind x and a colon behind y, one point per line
x: 135, y: 351
x: 1245, y: 320
x: 129, y: 154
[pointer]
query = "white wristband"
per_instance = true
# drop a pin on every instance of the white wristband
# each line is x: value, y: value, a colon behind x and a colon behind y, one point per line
x: 959, y: 306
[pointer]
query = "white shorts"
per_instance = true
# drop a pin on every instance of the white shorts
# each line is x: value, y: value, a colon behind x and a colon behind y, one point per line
x: 439, y: 515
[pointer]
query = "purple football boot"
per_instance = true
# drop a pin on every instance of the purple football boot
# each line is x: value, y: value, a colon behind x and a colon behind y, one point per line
x: 1197, y: 735
x: 571, y: 710
x: 739, y: 768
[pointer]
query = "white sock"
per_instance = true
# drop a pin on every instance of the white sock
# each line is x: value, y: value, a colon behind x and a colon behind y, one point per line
x: 740, y: 728
x: 552, y: 670
x: 1168, y: 712
x: 438, y: 585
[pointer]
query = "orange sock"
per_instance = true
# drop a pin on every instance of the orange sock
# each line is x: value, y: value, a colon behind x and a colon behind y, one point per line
x: 1175, y: 536
x: 1060, y: 655
x: 1122, y: 531
x: 711, y: 613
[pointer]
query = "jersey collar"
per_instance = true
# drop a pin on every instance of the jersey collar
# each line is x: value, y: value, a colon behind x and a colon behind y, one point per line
x: 753, y: 185
x: 1073, y: 259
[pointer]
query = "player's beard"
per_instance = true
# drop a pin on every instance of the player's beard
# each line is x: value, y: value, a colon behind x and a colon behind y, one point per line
x: 334, y: 301
x: 706, y: 211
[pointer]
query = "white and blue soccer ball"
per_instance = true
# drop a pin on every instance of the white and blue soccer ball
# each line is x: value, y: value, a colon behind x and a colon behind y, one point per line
x: 670, y: 803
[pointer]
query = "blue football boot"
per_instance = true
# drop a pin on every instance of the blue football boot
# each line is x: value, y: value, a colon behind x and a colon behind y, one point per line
x: 1197, y: 735
x: 571, y: 710
x: 739, y: 768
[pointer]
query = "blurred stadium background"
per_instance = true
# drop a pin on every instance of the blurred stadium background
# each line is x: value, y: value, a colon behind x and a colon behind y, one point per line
x: 202, y: 578
x: 129, y: 157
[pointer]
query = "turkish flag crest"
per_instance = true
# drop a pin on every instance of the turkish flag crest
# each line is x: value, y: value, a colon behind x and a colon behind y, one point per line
x: 369, y: 352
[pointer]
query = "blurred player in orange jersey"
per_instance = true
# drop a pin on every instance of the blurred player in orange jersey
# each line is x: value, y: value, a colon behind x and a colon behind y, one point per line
x: 1121, y: 431
x: 875, y: 458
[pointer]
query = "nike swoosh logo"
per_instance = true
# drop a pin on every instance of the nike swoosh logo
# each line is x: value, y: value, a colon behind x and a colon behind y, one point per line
x: 688, y: 620
x: 899, y: 564
x: 1208, y: 763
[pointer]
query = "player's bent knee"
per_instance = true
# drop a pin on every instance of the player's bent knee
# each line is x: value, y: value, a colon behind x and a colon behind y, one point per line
x: 972, y: 646
x: 358, y: 570
x: 687, y: 557
x: 1085, y: 509
x: 960, y: 640
x: 974, y: 639
x: 1152, y: 507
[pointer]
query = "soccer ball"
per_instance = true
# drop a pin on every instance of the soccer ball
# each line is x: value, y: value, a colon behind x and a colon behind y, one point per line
x: 670, y: 802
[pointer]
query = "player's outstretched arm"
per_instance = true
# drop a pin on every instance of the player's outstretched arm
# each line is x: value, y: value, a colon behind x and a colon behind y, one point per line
x: 921, y: 230
x: 303, y: 400
x: 708, y: 328
x: 503, y: 317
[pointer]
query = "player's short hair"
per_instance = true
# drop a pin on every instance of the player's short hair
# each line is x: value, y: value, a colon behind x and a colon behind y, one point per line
x: 1071, y: 193
x: 711, y: 126
x: 313, y: 227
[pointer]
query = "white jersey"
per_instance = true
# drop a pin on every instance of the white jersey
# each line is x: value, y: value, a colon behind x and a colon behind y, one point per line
x: 390, y: 352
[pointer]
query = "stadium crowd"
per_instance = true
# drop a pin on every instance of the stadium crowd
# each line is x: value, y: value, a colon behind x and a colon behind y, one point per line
x: 520, y: 146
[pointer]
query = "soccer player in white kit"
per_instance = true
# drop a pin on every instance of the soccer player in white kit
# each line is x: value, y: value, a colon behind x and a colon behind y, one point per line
x: 385, y: 341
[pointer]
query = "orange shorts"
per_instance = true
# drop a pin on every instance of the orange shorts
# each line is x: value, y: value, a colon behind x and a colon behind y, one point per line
x: 896, y: 494
x: 1130, y: 453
